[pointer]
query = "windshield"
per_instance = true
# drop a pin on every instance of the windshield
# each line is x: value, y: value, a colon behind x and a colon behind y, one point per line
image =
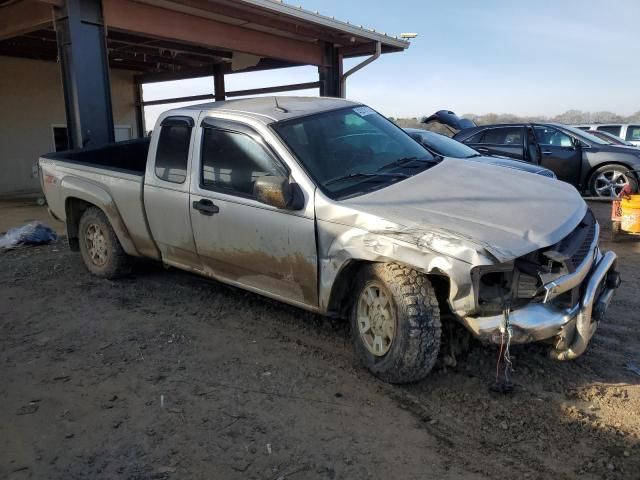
x: 445, y: 146
x: 353, y: 150
x: 585, y: 135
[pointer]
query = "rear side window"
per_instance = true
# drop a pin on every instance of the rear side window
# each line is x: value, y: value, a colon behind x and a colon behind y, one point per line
x: 633, y: 133
x: 503, y: 136
x: 232, y: 161
x: 612, y: 129
x: 173, y: 152
x: 552, y: 137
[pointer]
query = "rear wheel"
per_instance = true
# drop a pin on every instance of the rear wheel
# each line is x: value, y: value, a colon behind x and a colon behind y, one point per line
x: 395, y: 323
x: 100, y: 248
x: 609, y: 180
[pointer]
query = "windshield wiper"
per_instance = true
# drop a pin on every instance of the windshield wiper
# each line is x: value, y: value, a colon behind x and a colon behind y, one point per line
x: 377, y: 175
x: 474, y: 155
x: 419, y: 162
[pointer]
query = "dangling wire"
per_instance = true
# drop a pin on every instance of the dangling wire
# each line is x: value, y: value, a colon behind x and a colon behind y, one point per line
x: 505, y: 331
x: 499, y: 358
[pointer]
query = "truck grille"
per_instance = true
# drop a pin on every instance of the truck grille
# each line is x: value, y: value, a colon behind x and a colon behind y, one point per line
x: 577, y: 245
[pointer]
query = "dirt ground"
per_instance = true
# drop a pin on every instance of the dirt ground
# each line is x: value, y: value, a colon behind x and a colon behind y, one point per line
x: 167, y: 375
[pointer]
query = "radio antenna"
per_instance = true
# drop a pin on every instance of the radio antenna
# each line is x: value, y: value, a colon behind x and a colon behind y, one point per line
x: 278, y: 107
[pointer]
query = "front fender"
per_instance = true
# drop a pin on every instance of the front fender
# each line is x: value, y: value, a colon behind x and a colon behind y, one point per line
x: 339, y: 245
x: 77, y: 188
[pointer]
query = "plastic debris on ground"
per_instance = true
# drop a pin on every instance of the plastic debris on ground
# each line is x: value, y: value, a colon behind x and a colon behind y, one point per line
x: 632, y: 367
x: 34, y: 233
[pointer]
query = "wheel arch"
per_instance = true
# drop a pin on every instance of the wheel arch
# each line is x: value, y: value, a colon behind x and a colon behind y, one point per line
x: 341, y: 297
x: 81, y: 195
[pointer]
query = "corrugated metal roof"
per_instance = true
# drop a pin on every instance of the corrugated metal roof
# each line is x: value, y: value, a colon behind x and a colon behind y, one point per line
x: 298, y: 12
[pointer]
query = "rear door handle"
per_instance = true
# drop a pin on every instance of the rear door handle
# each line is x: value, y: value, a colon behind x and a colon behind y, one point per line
x: 547, y: 152
x: 206, y: 207
x: 482, y: 149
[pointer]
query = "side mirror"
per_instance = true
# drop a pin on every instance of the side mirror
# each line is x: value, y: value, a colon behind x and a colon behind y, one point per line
x: 278, y: 192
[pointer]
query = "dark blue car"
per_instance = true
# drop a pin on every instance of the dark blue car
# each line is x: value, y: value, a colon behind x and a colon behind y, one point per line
x: 448, y: 147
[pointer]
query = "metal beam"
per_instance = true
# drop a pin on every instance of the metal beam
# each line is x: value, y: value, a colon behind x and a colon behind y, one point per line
x: 164, y: 23
x: 22, y: 17
x: 265, y: 64
x: 85, y: 73
x: 237, y: 93
x: 280, y: 88
x: 191, y: 98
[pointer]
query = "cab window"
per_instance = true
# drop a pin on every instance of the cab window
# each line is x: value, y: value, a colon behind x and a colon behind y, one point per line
x: 232, y: 161
x: 172, y: 153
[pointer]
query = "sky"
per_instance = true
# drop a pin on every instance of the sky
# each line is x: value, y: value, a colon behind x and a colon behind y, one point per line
x: 492, y: 56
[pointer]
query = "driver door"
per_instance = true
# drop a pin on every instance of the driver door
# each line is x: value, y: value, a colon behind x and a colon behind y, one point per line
x: 559, y: 153
x: 238, y: 239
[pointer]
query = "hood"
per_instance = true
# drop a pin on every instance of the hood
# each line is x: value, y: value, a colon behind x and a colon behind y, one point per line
x: 516, y: 164
x: 449, y: 118
x: 505, y: 212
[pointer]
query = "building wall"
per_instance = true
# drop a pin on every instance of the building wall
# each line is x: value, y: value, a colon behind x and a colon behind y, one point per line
x: 31, y: 101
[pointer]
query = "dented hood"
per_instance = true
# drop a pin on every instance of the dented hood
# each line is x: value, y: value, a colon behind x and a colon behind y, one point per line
x: 505, y: 212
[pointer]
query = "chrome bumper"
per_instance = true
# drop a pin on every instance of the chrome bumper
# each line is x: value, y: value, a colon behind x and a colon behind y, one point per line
x: 573, y: 327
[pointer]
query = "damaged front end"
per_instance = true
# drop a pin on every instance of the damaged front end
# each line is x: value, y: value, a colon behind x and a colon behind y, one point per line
x: 557, y: 294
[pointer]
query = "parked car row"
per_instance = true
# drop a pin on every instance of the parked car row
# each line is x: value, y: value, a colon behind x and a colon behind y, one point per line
x: 448, y: 147
x: 593, y: 165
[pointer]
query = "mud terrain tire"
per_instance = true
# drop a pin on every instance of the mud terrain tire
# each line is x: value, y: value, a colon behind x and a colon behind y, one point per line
x: 99, y: 246
x: 414, y: 348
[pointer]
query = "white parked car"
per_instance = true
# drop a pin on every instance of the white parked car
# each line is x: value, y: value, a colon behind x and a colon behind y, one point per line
x: 626, y: 131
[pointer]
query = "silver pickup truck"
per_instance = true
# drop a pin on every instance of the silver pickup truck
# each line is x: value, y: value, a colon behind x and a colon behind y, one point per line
x: 326, y: 205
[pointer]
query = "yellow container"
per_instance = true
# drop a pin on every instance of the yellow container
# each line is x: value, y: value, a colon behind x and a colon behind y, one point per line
x: 630, y: 218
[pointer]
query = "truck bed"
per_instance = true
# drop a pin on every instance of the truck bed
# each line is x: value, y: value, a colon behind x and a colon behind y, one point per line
x: 111, y: 178
x: 129, y: 156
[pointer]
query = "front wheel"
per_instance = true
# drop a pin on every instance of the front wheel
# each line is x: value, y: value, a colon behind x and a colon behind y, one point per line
x: 610, y: 180
x: 395, y: 322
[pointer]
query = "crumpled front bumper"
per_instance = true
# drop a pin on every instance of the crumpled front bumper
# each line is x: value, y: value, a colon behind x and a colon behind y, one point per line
x: 571, y: 327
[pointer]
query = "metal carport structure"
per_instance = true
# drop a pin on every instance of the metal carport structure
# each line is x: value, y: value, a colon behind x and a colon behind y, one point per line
x: 175, y: 39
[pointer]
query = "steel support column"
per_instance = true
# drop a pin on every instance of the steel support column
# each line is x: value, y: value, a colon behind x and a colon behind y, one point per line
x: 331, y: 72
x: 85, y: 72
x: 218, y: 84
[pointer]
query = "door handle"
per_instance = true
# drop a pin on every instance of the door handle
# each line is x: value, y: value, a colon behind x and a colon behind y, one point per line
x: 482, y: 149
x: 547, y: 152
x: 206, y: 207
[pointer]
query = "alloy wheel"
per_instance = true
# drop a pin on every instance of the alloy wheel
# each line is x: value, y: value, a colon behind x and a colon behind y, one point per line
x: 96, y: 244
x: 610, y: 183
x: 376, y: 318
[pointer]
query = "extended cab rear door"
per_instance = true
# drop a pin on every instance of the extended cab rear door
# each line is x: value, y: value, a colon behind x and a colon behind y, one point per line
x: 238, y: 239
x: 166, y: 190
